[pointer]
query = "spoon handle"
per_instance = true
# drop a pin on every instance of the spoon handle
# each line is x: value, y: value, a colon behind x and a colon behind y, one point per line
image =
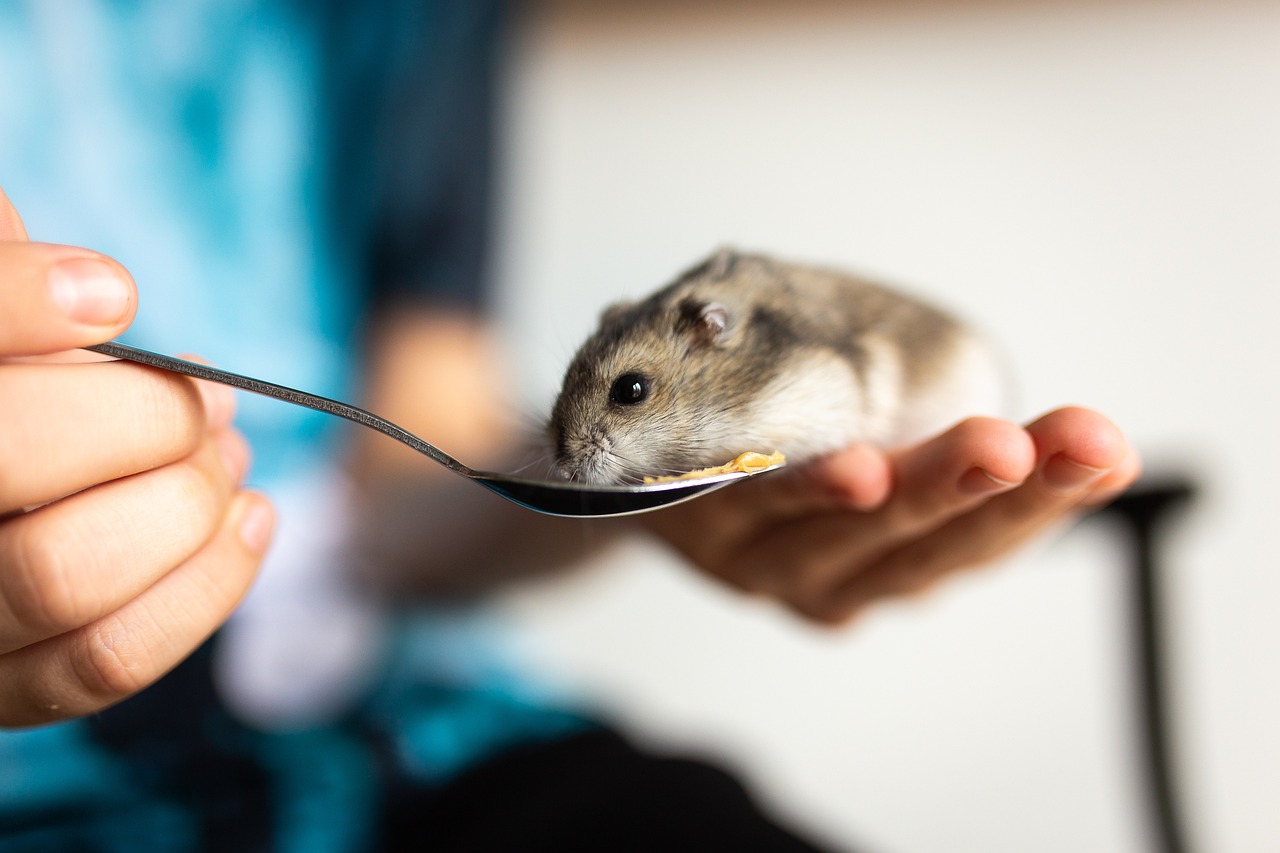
x: 282, y: 392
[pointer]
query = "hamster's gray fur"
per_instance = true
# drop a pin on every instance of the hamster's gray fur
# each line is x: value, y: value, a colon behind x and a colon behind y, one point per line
x: 745, y: 352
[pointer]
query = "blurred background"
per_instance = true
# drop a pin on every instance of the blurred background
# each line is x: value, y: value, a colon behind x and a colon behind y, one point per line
x: 1097, y: 185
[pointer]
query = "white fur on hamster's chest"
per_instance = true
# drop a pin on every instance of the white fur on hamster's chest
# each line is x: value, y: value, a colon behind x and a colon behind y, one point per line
x: 821, y: 403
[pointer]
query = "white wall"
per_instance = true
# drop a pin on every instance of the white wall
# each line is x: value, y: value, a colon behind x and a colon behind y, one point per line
x: 1098, y: 184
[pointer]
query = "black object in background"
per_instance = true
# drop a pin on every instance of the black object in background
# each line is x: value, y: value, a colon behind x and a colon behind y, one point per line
x: 1143, y: 514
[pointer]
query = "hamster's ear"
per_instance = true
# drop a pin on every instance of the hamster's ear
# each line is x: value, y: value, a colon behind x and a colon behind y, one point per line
x: 708, y: 323
x: 614, y: 312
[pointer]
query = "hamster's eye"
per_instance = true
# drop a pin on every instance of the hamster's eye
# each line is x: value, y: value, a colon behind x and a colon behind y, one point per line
x: 629, y: 389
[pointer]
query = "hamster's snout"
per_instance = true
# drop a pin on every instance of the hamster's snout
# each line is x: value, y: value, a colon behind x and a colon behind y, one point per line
x: 585, y: 455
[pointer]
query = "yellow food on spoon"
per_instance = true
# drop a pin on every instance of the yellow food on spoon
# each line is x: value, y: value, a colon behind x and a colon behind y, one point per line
x: 746, y: 463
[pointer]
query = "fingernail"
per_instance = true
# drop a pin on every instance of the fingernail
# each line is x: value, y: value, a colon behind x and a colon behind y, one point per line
x: 235, y: 453
x: 1066, y: 476
x: 976, y: 481
x: 256, y: 526
x: 90, y: 291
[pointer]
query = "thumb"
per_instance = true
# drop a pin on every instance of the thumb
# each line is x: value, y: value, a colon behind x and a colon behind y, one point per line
x: 11, y: 227
x: 56, y: 298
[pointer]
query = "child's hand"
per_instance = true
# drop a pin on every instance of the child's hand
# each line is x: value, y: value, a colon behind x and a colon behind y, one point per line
x: 125, y: 539
x: 843, y: 532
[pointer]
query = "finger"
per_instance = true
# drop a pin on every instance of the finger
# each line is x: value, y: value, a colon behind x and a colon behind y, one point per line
x: 857, y: 477
x: 1076, y: 450
x: 99, y: 664
x: 991, y: 455
x: 11, y: 227
x: 219, y: 400
x: 83, y: 424
x: 1116, y: 482
x: 947, y: 475
x: 76, y: 560
x: 57, y: 298
x: 936, y: 481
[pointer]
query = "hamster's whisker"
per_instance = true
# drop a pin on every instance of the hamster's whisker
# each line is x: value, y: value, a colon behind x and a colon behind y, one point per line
x: 631, y: 470
x: 544, y: 461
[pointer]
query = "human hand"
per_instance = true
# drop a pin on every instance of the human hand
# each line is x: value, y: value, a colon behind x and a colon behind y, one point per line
x: 125, y: 539
x: 861, y: 525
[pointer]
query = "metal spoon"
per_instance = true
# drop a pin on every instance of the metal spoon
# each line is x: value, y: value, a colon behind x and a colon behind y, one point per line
x: 545, y: 496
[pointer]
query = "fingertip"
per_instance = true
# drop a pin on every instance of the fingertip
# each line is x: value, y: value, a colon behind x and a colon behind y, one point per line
x: 1001, y: 450
x: 1078, y: 449
x: 255, y: 522
x: 60, y: 298
x: 840, y: 610
x: 11, y: 227
x: 1082, y: 435
x: 985, y: 456
x: 93, y: 290
x: 859, y: 477
x: 1117, y: 481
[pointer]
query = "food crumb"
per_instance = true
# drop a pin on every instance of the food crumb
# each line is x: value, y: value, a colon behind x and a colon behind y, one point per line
x: 745, y: 463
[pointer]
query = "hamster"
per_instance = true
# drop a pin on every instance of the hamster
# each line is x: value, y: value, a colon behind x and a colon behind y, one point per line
x: 745, y: 352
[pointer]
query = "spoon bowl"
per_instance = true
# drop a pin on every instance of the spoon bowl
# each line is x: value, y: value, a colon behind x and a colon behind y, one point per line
x: 561, y: 498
